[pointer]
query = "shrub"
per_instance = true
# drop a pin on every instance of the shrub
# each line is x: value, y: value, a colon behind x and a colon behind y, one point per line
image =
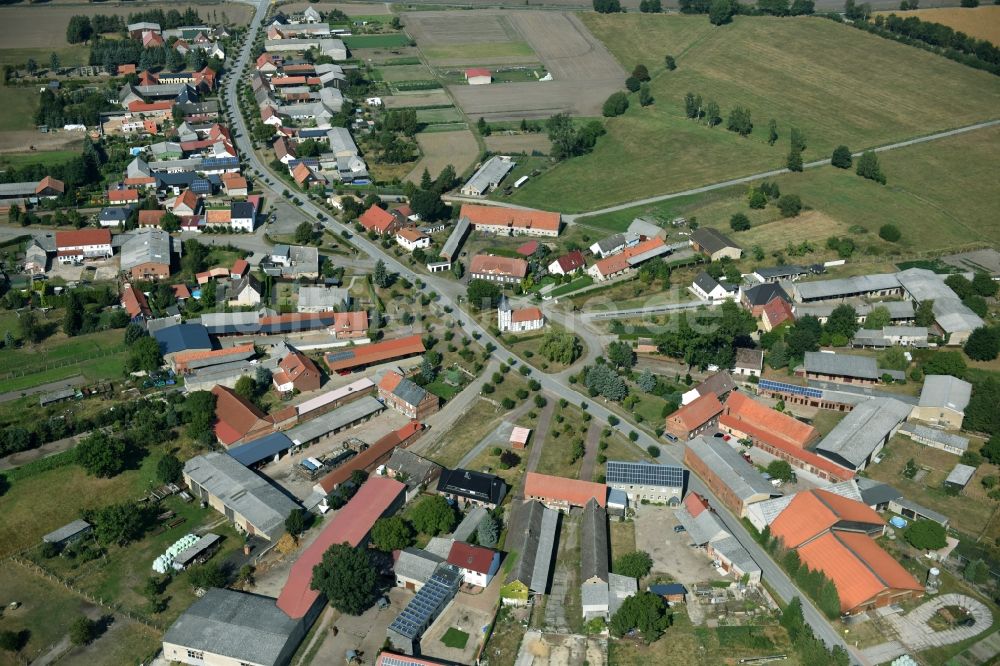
x: 790, y: 205
x: 615, y: 105
x: 653, y: 450
x: 739, y: 222
x: 841, y: 157
x: 925, y: 535
x: 889, y: 232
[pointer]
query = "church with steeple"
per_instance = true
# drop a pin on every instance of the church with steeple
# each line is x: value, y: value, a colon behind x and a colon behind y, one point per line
x: 519, y: 320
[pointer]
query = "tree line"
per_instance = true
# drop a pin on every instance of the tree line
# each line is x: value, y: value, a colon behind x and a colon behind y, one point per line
x: 722, y: 11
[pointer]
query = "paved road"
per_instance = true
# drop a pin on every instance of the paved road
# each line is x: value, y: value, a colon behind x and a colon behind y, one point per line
x: 775, y: 172
x: 451, y: 294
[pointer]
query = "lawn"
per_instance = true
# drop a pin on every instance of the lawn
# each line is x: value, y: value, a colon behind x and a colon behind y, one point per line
x: 939, y: 194
x: 69, y: 56
x: 556, y: 456
x: 477, y: 53
x: 455, y: 638
x: 619, y: 448
x: 810, y: 73
x: 435, y: 116
x: 406, y: 73
x: 576, y: 283
x: 19, y: 106
x: 375, y: 41
x: 622, y: 538
x: 970, y: 512
x: 96, y: 356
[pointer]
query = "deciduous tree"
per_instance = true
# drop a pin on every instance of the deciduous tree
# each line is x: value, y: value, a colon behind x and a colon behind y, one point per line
x: 102, y: 456
x: 868, y: 167
x: 433, y: 515
x: 392, y: 533
x: 841, y: 157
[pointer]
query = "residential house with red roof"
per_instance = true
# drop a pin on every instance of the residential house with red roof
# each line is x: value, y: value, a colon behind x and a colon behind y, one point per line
x: 235, y: 185
x: 134, y: 302
x: 151, y: 218
x: 694, y: 418
x: 623, y: 262
x: 775, y: 313
x: 83, y: 244
x: 560, y: 493
x: 497, y: 269
x: 380, y: 221
x: 834, y: 535
x: 284, y: 151
x: 296, y: 372
x: 512, y: 221
x: 378, y: 496
x: 477, y: 564
x: 123, y: 196
x: 410, y: 238
x: 478, y: 76
x: 187, y: 203
x: 568, y: 263
x: 406, y: 397
x: 518, y: 320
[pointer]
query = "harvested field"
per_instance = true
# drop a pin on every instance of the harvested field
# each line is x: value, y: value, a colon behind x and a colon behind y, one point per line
x: 29, y: 26
x: 24, y: 140
x: 583, y: 70
x: 480, y: 38
x: 440, y: 149
x: 519, y: 143
x: 407, y: 73
x: 979, y: 22
x: 754, y: 63
x: 417, y: 99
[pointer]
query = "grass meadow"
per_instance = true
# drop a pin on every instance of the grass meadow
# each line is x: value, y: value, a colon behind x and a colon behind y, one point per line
x: 18, y: 105
x: 809, y: 73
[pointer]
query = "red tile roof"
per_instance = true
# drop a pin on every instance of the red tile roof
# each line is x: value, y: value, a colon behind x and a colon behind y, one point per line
x: 473, y: 558
x: 515, y: 218
x: 350, y: 525
x: 858, y: 567
x: 240, y: 267
x: 559, y: 489
x: 411, y: 234
x: 370, y: 456
x: 68, y: 239
x: 376, y: 219
x: 123, y: 196
x: 813, y: 512
x: 525, y: 314
x: 140, y: 107
x: 527, y: 249
x: 134, y: 302
x: 777, y: 311
x: 377, y: 352
x: 619, y: 262
x: 477, y: 71
x: 697, y: 412
x: 50, y: 183
x: 181, y: 291
x: 293, y: 366
x: 695, y: 504
x: 182, y: 359
x: 484, y: 264
x: 233, y: 415
x: 760, y: 421
x: 186, y: 198
x: 151, y: 218
x: 572, y: 261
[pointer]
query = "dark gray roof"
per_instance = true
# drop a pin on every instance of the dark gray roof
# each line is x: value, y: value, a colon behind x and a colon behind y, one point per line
x: 428, y: 603
x: 922, y: 511
x: 854, y: 439
x: 409, y: 392
x: 350, y: 413
x: 418, y: 470
x: 473, y: 485
x: 844, y: 365
x: 182, y: 337
x: 721, y: 383
x: 705, y: 282
x: 738, y: 475
x: 594, y: 542
x: 945, y: 391
x: 874, y: 493
x: 535, y: 559
x: 115, y: 213
x: 749, y: 358
x: 762, y: 294
x: 711, y: 239
x: 241, y: 626
x: 241, y: 210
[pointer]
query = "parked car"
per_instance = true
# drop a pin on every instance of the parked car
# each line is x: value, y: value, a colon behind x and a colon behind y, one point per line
x: 679, y: 528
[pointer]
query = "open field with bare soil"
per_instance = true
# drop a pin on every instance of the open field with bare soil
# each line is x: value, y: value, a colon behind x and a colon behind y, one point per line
x: 417, y: 99
x: 44, y: 25
x: 584, y: 72
x: 979, y: 22
x: 757, y: 63
x: 468, y: 38
x: 440, y: 149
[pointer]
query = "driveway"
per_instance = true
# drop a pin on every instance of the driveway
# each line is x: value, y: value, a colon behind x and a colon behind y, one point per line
x: 671, y: 551
x: 364, y: 633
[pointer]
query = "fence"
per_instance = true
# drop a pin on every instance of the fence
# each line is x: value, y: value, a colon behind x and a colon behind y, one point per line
x: 37, y: 368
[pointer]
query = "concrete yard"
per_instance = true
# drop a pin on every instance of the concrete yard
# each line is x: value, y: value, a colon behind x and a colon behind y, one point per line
x: 671, y: 551
x: 364, y: 633
x: 538, y: 649
x: 471, y: 612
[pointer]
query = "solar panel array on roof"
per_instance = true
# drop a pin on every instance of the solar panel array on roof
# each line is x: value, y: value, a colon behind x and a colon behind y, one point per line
x: 428, y: 602
x: 645, y: 474
x: 769, y: 385
x: 339, y: 356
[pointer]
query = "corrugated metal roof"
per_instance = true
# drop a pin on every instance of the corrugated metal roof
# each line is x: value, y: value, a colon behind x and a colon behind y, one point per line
x: 863, y: 429
x: 735, y: 472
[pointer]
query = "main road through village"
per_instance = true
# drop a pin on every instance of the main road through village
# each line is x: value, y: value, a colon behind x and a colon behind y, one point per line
x: 450, y: 294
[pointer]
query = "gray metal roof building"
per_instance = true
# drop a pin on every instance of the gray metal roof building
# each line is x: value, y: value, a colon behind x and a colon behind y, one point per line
x: 937, y: 438
x: 945, y: 391
x: 535, y: 560
x: 863, y: 431
x: 418, y: 470
x: 898, y: 310
x: 241, y: 627
x: 67, y: 532
x: 736, y: 473
x: 147, y: 246
x: 961, y: 475
x: 469, y: 524
x: 340, y: 418
x: 863, y: 285
x: 704, y: 528
x: 488, y: 176
x: 711, y: 239
x: 594, y: 543
x: 451, y: 246
x: 341, y: 142
x: 240, y: 491
x: 841, y: 365
x: 733, y: 550
x: 416, y: 564
x: 950, y: 313
x: 910, y: 509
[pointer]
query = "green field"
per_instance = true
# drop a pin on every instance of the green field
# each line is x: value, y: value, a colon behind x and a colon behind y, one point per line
x: 19, y: 106
x: 431, y: 116
x: 95, y: 355
x: 9, y: 160
x: 69, y: 56
x: 481, y: 53
x: 940, y: 194
x: 376, y: 41
x: 810, y: 73
x: 406, y: 73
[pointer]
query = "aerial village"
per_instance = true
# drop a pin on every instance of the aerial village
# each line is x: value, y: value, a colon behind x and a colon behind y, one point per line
x: 295, y: 413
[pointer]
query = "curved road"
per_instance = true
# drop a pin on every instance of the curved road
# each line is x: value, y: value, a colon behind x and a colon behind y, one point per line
x: 450, y: 295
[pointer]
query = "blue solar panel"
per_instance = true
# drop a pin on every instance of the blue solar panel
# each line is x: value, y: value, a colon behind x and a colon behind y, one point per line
x: 339, y: 356
x: 809, y: 392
